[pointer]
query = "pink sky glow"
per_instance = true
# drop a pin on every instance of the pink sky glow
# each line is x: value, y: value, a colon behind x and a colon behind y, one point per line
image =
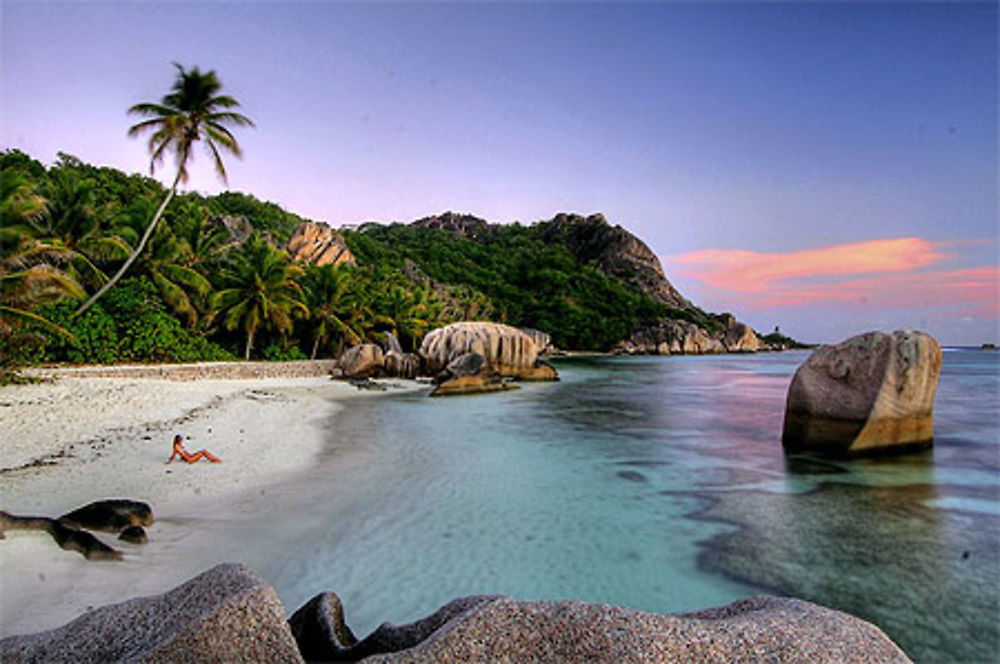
x: 888, y: 273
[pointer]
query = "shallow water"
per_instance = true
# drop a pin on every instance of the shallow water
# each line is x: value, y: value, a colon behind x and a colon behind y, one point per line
x: 659, y: 484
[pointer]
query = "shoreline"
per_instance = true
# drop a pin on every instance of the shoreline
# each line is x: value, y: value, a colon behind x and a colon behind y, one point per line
x: 75, y: 440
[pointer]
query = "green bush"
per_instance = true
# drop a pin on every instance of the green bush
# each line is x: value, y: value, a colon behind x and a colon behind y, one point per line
x: 130, y: 324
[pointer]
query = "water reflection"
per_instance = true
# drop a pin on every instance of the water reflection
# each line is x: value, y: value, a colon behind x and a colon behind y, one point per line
x: 928, y: 577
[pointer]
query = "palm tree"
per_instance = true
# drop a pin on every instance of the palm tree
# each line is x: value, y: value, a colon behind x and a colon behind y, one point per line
x: 29, y: 276
x: 167, y: 262
x: 192, y: 111
x: 332, y: 307
x: 407, y: 313
x: 71, y: 220
x: 261, y: 291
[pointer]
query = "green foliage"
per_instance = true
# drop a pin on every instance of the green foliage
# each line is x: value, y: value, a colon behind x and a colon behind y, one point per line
x: 264, y: 215
x: 528, y: 282
x: 131, y: 324
x: 779, y: 340
x: 199, y: 295
x: 279, y: 351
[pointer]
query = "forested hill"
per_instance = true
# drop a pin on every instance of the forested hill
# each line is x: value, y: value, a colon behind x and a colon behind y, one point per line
x: 229, y: 275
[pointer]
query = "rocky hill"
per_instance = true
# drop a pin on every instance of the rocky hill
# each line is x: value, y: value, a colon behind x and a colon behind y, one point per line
x: 615, y: 252
x: 590, y: 284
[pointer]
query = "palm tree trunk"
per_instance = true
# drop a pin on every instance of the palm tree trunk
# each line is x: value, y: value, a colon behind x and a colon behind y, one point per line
x: 135, y: 253
x: 246, y: 355
x: 315, y: 348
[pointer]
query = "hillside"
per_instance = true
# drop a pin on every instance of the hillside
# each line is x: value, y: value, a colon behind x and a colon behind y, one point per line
x: 190, y: 296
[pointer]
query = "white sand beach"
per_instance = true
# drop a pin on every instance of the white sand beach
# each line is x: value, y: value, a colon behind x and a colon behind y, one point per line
x: 66, y: 443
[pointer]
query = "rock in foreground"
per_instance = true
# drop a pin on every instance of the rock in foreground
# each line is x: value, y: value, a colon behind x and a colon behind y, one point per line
x: 501, y: 629
x: 871, y: 393
x: 227, y: 614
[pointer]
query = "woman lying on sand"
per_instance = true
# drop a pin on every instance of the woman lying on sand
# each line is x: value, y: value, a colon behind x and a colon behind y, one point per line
x: 187, y: 456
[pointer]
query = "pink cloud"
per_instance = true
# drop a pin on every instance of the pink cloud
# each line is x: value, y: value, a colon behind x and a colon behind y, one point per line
x: 751, y: 272
x: 884, y: 274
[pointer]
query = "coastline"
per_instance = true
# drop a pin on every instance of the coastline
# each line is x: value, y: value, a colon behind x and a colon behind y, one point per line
x: 76, y: 440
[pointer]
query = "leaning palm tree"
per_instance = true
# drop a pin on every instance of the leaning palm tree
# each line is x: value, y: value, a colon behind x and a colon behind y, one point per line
x: 192, y: 111
x: 261, y: 291
x: 332, y: 307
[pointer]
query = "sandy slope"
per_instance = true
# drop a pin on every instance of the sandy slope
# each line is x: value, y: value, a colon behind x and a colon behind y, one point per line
x: 76, y: 440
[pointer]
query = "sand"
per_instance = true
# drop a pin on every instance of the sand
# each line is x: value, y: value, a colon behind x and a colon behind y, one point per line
x: 67, y: 443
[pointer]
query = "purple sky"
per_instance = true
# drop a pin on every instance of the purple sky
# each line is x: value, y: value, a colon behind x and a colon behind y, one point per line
x: 830, y: 168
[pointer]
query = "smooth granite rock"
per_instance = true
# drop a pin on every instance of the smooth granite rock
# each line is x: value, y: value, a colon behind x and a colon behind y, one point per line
x: 318, y: 244
x: 320, y: 631
x: 871, y: 393
x: 507, y: 350
x: 65, y: 535
x: 134, y: 535
x: 759, y: 629
x: 362, y: 361
x: 112, y: 515
x: 226, y: 614
x: 401, y: 365
x: 469, y: 374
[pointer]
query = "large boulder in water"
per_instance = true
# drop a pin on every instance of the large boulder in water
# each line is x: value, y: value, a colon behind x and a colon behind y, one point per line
x: 226, y: 614
x: 361, y: 361
x: 501, y: 629
x: 507, y: 350
x: 871, y: 393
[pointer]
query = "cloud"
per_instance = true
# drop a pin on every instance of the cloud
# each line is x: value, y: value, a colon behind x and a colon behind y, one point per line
x: 884, y: 274
x: 743, y: 271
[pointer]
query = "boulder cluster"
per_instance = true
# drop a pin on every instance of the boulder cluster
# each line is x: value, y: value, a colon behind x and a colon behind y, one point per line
x: 229, y: 614
x: 128, y: 518
x: 682, y: 337
x: 463, y: 358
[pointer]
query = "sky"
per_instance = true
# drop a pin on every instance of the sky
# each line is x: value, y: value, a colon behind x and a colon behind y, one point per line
x: 830, y: 168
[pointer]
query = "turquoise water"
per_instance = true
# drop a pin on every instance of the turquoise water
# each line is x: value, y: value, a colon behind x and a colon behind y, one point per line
x: 659, y: 484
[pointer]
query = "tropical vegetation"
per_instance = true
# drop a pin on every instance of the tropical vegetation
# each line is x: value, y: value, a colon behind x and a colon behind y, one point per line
x: 214, y: 282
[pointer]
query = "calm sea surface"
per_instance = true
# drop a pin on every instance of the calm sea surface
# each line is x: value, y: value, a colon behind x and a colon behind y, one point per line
x: 660, y: 484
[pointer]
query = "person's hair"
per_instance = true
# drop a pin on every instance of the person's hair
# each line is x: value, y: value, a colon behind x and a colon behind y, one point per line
x: 178, y: 437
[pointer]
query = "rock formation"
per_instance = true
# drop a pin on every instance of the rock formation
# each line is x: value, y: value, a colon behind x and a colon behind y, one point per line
x: 671, y: 337
x: 873, y: 392
x: 401, y: 365
x: 229, y: 614
x: 362, y: 361
x: 615, y: 252
x: 113, y: 515
x: 738, y: 337
x: 759, y: 629
x: 507, y: 350
x: 134, y: 535
x: 318, y: 244
x: 469, y: 374
x: 464, y: 225
x: 543, y: 340
x: 226, y: 614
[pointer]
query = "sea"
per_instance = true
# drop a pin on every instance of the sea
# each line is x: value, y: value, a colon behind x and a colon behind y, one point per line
x: 658, y: 483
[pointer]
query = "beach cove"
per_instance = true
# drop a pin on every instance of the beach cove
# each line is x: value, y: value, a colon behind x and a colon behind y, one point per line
x: 79, y: 439
x: 654, y: 483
